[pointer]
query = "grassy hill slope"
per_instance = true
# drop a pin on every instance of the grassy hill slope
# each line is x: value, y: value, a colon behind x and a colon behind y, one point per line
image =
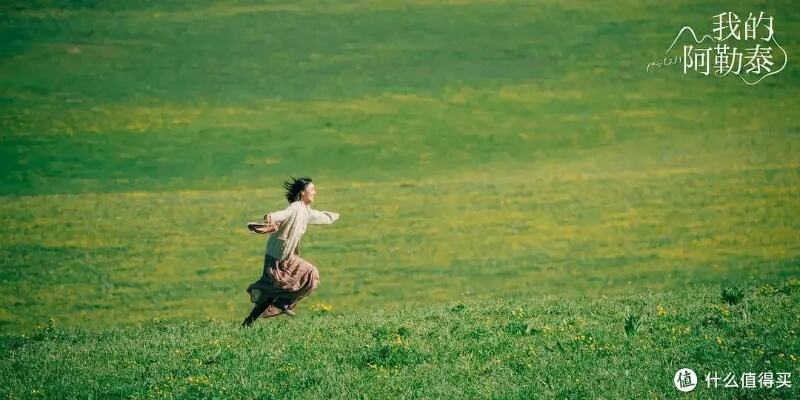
x: 490, y: 147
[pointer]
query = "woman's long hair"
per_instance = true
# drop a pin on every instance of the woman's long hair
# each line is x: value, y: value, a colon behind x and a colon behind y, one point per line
x: 294, y: 187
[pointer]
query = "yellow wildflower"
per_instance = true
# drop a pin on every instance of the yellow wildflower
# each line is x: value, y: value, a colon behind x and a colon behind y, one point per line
x: 661, y: 311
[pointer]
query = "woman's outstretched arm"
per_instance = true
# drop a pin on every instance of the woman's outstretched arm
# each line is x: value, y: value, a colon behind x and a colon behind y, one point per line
x: 280, y: 216
x: 322, y: 217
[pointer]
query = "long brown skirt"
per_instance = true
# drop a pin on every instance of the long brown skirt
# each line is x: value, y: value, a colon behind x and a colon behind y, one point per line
x: 283, y: 282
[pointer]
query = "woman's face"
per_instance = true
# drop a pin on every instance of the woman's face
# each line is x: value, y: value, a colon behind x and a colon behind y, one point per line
x: 308, y: 194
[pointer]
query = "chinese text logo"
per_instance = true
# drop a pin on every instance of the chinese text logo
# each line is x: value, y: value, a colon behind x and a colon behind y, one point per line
x: 743, y: 47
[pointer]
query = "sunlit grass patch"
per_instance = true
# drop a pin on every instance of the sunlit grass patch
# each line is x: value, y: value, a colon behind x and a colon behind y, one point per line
x: 551, y: 233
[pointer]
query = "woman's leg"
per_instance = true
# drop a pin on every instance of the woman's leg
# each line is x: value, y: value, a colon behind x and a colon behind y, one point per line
x: 286, y: 306
x: 257, y: 310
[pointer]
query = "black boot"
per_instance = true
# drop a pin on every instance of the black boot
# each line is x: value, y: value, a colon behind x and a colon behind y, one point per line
x: 283, y: 305
x: 257, y: 310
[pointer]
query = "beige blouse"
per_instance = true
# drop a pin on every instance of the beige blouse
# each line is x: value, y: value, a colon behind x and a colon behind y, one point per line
x: 293, y: 221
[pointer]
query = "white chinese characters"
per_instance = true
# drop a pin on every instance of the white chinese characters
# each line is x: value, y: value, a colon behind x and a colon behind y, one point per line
x: 749, y: 380
x: 743, y: 47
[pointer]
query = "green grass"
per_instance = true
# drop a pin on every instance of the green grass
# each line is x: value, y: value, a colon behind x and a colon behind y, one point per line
x: 523, y: 348
x: 500, y: 149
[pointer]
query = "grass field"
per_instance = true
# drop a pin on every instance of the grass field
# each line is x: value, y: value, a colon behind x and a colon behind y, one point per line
x: 550, y: 347
x: 480, y: 151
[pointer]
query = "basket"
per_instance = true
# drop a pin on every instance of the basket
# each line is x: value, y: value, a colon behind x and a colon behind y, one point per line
x: 262, y: 228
